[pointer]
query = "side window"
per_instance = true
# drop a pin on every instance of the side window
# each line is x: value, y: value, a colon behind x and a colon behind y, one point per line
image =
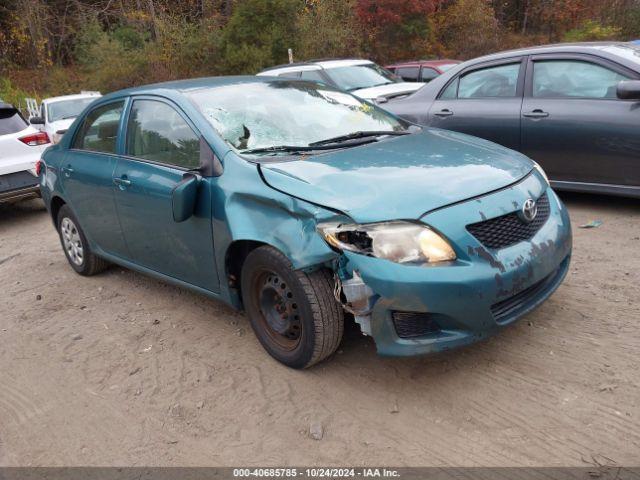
x: 408, y: 74
x: 313, y: 75
x: 500, y: 81
x: 428, y: 74
x: 451, y: 91
x: 574, y: 78
x: 99, y: 130
x: 290, y: 74
x: 157, y: 132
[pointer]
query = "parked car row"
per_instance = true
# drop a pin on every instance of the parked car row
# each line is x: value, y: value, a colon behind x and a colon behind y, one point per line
x: 573, y: 108
x: 422, y: 70
x: 363, y: 78
x: 56, y: 114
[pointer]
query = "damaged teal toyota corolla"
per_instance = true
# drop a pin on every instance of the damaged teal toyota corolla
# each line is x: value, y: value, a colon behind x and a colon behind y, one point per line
x: 298, y: 203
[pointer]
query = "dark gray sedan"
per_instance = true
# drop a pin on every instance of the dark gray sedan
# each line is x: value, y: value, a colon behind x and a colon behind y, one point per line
x: 574, y: 108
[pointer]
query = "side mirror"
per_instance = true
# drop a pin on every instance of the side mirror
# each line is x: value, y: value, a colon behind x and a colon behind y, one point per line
x: 36, y: 121
x: 183, y: 197
x: 629, y: 90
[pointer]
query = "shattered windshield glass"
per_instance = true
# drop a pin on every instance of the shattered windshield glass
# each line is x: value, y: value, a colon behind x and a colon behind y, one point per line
x: 295, y: 113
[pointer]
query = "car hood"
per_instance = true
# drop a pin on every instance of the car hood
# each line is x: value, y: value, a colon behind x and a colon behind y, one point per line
x: 387, y: 90
x: 401, y: 177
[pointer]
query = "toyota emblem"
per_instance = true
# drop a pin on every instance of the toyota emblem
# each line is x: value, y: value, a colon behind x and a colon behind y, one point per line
x: 529, y: 210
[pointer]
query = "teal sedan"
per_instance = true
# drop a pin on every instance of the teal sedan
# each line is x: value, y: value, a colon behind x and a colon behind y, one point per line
x: 303, y: 205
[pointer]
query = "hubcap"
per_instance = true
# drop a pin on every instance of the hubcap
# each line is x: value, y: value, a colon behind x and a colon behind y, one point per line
x: 72, y: 241
x: 280, y: 315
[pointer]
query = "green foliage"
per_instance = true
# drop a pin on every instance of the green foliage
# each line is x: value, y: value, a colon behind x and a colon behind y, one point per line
x: 258, y: 34
x: 328, y: 28
x: 11, y: 94
x: 592, y: 31
x: 129, y: 37
x: 468, y: 28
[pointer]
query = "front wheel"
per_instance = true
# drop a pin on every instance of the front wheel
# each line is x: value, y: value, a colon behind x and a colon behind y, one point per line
x: 294, y: 314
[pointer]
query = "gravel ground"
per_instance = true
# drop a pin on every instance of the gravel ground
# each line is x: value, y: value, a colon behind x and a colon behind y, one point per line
x: 120, y: 369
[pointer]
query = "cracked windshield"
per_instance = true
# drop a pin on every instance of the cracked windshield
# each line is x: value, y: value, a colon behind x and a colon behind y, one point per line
x: 293, y: 114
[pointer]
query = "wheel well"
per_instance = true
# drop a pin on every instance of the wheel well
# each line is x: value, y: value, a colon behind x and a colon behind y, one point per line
x: 56, y: 205
x: 236, y: 255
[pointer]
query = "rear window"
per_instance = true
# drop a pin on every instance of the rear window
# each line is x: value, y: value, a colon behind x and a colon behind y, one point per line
x: 11, y: 121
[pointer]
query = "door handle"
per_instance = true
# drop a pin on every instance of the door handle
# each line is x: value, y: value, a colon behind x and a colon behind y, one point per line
x: 445, y: 112
x: 122, y: 181
x: 67, y: 171
x: 537, y: 113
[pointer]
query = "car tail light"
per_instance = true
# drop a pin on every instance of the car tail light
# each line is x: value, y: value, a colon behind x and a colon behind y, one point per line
x: 35, y: 139
x: 39, y: 167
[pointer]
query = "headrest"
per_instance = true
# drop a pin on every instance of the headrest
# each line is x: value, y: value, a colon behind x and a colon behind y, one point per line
x: 108, y: 130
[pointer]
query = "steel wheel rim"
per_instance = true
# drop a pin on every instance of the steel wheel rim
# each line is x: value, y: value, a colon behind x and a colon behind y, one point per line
x: 279, y: 312
x: 72, y: 241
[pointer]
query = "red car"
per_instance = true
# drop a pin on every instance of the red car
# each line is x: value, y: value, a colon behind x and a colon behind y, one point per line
x: 421, y: 70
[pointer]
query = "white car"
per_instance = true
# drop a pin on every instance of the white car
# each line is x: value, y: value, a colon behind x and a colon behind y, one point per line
x: 363, y: 78
x: 56, y: 114
x: 21, y: 146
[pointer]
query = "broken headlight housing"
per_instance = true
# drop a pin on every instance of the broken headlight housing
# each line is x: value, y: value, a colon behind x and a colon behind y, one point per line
x: 400, y: 242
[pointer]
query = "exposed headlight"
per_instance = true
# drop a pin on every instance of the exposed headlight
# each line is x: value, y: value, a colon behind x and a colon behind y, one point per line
x: 541, y: 171
x: 400, y: 242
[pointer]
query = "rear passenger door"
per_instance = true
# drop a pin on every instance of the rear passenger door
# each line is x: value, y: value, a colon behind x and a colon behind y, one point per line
x: 160, y: 146
x: 86, y: 174
x: 483, y: 100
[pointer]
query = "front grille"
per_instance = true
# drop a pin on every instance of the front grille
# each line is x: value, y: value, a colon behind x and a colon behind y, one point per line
x: 414, y: 324
x: 501, y: 232
x: 505, y: 308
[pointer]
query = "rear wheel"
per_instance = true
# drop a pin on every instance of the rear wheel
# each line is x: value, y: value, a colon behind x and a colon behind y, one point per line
x: 293, y: 314
x: 75, y: 245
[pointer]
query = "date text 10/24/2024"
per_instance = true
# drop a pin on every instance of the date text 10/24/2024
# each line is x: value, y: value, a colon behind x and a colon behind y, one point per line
x: 318, y: 472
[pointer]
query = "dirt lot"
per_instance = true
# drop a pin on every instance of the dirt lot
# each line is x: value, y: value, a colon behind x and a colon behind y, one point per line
x: 120, y: 369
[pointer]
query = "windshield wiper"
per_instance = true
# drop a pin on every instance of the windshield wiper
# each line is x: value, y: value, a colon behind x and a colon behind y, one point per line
x: 279, y: 148
x: 354, y: 135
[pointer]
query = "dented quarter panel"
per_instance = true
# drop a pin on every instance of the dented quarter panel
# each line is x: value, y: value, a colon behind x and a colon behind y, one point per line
x: 244, y: 208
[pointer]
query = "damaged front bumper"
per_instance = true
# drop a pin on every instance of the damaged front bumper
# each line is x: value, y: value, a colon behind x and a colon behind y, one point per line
x: 412, y: 310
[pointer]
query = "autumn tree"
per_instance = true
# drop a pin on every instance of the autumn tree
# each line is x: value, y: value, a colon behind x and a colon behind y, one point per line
x: 328, y: 28
x: 259, y: 33
x: 467, y: 28
x: 395, y: 29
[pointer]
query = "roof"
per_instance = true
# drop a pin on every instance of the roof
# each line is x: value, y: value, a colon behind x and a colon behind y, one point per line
x: 426, y: 63
x: 322, y: 63
x: 6, y: 106
x: 578, y: 47
x: 193, y: 84
x: 71, y: 97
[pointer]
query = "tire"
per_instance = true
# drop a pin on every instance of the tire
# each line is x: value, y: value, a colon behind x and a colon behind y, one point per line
x: 294, y: 314
x: 75, y: 245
